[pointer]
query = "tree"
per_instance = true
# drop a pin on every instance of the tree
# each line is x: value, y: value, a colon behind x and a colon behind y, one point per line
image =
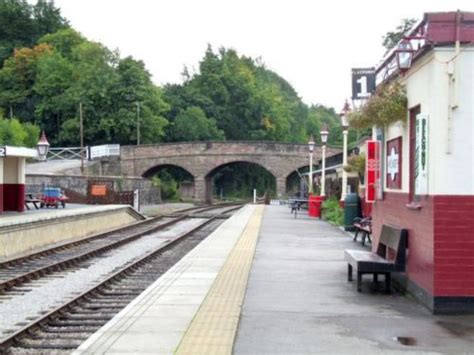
x: 12, y: 132
x: 391, y: 38
x: 22, y: 24
x: 193, y: 125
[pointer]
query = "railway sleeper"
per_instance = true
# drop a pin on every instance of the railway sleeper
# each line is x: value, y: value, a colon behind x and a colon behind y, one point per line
x: 74, y: 323
x: 41, y: 344
x: 65, y: 330
x: 45, y: 335
x: 85, y: 316
x: 122, y: 294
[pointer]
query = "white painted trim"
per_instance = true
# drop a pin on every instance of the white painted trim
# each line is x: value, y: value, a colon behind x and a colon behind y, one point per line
x: 21, y: 152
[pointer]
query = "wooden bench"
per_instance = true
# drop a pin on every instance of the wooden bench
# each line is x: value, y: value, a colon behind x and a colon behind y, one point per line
x: 366, y: 262
x: 363, y: 226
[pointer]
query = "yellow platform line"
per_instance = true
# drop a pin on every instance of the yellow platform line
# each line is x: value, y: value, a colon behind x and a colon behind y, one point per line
x: 213, y: 329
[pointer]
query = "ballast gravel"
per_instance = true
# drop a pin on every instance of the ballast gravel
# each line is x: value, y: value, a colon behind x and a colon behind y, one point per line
x: 54, y: 291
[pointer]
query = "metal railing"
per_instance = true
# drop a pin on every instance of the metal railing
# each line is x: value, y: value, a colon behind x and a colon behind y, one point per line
x: 88, y: 153
x: 67, y: 153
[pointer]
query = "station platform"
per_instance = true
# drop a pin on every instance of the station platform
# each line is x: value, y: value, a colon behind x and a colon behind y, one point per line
x: 267, y: 283
x: 38, y: 229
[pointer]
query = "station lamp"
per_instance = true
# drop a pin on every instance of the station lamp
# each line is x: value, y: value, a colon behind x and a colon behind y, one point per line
x: 324, y: 134
x: 404, y: 54
x: 43, y: 147
x: 311, y: 144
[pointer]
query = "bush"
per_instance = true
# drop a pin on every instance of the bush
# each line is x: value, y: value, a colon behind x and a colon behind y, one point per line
x: 332, y: 212
x: 12, y: 132
x: 168, y: 187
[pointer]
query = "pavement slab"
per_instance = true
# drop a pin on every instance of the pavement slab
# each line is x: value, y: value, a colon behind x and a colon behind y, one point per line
x: 298, y: 300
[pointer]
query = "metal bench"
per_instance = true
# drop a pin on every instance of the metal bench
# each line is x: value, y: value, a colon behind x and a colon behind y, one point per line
x: 30, y: 198
x: 363, y: 226
x: 366, y: 262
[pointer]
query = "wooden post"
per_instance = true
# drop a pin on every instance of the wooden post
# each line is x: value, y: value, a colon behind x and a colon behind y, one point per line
x: 81, y: 128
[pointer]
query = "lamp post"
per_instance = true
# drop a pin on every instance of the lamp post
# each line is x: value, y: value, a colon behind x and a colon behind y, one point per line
x: 345, y: 132
x: 43, y: 147
x: 324, y: 138
x: 310, y: 177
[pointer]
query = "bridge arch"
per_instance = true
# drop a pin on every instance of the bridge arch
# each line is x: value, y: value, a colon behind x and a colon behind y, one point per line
x: 226, y: 174
x: 176, y: 181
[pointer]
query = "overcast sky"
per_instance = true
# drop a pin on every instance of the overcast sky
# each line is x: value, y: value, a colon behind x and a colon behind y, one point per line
x: 312, y: 44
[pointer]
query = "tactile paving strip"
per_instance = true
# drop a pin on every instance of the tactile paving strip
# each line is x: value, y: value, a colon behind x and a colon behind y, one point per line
x: 214, y: 326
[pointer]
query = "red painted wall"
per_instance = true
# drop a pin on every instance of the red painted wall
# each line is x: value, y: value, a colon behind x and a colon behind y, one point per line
x: 14, y: 197
x: 1, y: 198
x: 454, y: 245
x: 419, y: 223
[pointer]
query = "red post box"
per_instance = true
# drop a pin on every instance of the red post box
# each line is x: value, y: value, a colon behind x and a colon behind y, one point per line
x: 314, y: 205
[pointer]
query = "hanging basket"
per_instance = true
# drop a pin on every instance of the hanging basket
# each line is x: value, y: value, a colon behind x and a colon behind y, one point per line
x: 387, y: 106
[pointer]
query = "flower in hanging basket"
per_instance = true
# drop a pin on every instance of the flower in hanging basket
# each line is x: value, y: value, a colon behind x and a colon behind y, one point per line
x: 388, y: 105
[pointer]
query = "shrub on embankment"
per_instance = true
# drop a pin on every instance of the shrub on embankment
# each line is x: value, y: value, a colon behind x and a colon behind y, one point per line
x: 332, y: 212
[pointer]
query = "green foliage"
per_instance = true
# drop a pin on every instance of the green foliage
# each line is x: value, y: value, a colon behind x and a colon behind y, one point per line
x: 391, y: 38
x: 193, y: 125
x: 237, y: 180
x: 388, y: 105
x: 12, y: 132
x: 22, y: 24
x: 332, y: 212
x: 245, y: 99
x: 46, y: 83
x: 356, y: 163
x: 167, y: 185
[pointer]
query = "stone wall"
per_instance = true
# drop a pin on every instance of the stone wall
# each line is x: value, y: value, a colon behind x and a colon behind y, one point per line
x: 202, y: 159
x: 78, y: 184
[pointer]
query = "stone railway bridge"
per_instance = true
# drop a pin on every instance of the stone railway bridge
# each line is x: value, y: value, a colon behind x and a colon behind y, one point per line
x: 203, y: 159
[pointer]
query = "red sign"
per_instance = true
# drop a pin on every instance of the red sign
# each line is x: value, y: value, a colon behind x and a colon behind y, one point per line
x: 372, y: 171
x: 98, y: 190
x: 394, y: 163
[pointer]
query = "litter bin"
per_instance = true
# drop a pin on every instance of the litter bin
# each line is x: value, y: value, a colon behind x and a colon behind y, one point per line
x: 351, y: 210
x: 314, y: 206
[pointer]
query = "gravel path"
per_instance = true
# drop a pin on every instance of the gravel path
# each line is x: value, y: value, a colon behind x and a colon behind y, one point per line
x: 51, y: 292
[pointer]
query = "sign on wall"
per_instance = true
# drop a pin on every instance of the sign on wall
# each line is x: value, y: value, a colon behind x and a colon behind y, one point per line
x: 3, y: 151
x: 98, y: 190
x: 394, y: 164
x: 363, y: 83
x: 421, y: 154
x: 372, y: 170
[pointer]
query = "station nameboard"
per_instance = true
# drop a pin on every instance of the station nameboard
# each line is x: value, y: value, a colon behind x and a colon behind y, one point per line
x: 421, y: 151
x: 363, y: 83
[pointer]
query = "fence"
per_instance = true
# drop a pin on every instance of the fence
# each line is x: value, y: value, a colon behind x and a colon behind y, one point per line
x: 106, y: 150
x: 88, y: 153
x: 66, y: 153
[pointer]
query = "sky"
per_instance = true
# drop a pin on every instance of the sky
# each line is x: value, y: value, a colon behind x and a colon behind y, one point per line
x: 312, y: 44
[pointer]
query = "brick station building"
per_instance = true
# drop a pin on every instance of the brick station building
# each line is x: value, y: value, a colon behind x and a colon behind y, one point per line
x: 427, y: 164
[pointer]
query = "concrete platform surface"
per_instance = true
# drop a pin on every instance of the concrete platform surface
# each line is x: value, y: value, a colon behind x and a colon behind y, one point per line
x: 157, y: 320
x: 298, y: 300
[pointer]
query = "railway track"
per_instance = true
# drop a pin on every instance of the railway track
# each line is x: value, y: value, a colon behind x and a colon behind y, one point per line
x: 67, y: 326
x: 19, y: 271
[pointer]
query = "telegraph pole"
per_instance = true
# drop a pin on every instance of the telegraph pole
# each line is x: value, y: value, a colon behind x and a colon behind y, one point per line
x: 81, y: 129
x: 138, y: 123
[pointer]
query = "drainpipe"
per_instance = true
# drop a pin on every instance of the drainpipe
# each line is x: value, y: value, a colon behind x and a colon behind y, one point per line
x: 453, y: 83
